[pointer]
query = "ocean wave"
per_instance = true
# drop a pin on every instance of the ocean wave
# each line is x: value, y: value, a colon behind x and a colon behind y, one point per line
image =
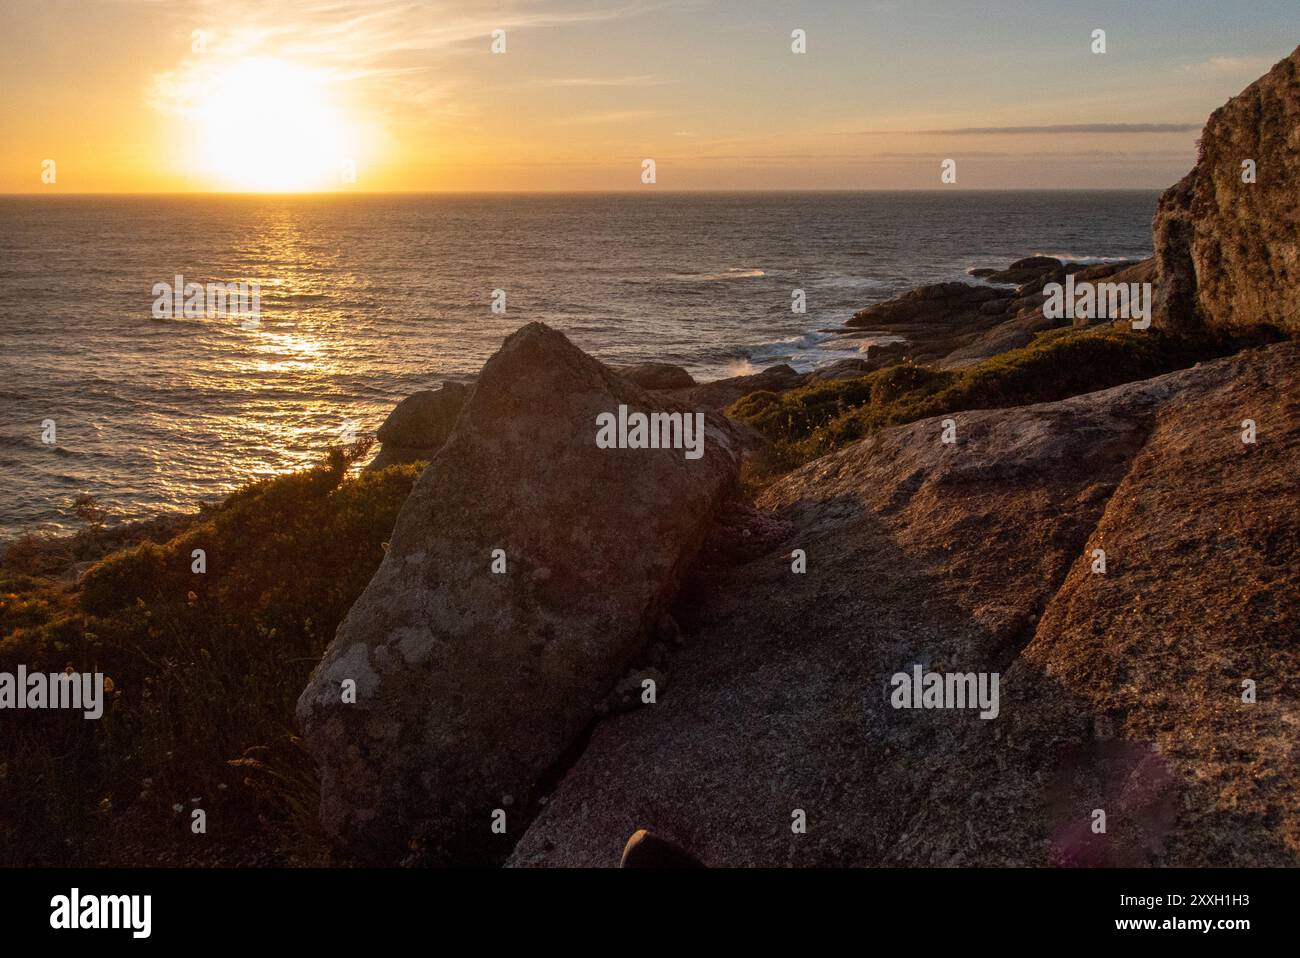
x: 718, y: 277
x: 1086, y: 259
x: 853, y: 282
x: 798, y: 349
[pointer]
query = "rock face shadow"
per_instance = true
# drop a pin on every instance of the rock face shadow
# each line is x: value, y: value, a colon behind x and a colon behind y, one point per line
x: 967, y: 559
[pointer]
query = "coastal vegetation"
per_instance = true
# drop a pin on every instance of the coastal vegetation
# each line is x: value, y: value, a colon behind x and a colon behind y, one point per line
x: 202, y: 669
x: 802, y: 424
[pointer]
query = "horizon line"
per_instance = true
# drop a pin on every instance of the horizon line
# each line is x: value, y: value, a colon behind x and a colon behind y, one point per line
x: 618, y: 191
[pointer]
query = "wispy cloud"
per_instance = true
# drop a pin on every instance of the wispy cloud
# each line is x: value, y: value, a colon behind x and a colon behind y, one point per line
x: 1050, y: 130
x: 1231, y: 66
x: 608, y: 116
x: 394, y: 45
x: 626, y: 81
x: 778, y: 157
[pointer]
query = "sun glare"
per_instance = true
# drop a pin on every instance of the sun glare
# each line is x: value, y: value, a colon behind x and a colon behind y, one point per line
x: 268, y: 126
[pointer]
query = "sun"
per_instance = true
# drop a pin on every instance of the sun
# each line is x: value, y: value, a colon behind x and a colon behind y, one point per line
x: 267, y: 125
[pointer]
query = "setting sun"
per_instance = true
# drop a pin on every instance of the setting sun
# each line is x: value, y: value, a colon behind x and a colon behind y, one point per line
x: 267, y: 125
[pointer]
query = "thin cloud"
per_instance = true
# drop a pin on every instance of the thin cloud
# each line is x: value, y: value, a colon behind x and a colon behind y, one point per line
x: 1051, y: 130
x: 394, y: 46
x: 1231, y: 66
x: 609, y: 116
x: 644, y: 80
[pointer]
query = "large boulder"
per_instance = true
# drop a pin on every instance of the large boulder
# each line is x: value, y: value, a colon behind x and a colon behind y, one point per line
x: 418, y: 426
x: 1228, y: 251
x: 470, y: 684
x: 1120, y: 691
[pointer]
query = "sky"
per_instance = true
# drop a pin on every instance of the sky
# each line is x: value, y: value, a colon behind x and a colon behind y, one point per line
x: 401, y: 95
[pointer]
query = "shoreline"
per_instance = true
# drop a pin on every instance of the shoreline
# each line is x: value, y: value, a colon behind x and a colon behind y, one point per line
x: 783, y: 373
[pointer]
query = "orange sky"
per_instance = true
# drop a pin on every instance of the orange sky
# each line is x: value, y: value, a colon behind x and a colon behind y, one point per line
x: 140, y: 96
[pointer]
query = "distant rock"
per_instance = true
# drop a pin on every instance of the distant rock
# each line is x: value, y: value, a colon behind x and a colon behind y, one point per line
x: 882, y: 354
x: 1140, y: 271
x: 1034, y: 285
x: 958, y: 324
x: 1098, y: 271
x: 723, y: 392
x: 1027, y: 270
x: 1038, y: 263
x: 979, y: 272
x: 1013, y: 333
x: 879, y: 355
x: 418, y: 426
x: 939, y: 302
x: 936, y: 319
x: 1024, y: 317
x: 841, y: 369
x: 657, y: 376
x: 1227, y: 251
x: 1119, y: 691
x: 469, y: 684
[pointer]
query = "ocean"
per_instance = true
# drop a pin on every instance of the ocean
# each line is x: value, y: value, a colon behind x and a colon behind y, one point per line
x: 368, y: 298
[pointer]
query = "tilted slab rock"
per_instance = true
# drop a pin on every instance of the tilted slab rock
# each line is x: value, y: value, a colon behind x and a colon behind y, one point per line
x: 954, y: 557
x: 1201, y: 593
x: 471, y: 684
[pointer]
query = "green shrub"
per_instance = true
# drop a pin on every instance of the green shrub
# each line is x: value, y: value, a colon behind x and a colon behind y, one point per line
x: 206, y: 669
x: 806, y: 423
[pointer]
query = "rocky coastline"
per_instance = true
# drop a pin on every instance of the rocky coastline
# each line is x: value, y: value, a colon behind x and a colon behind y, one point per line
x: 977, y: 552
x: 526, y: 648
